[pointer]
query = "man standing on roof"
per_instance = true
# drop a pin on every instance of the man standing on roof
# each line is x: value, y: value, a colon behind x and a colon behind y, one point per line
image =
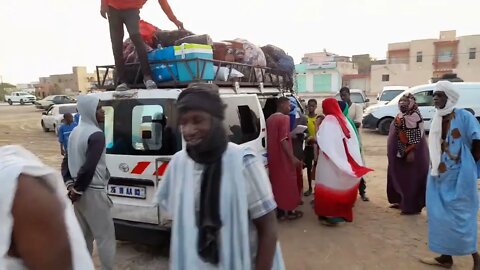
x: 88, y: 168
x: 127, y: 12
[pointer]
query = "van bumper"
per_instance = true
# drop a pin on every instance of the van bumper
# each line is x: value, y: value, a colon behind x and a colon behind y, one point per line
x: 370, y: 122
x: 141, y: 233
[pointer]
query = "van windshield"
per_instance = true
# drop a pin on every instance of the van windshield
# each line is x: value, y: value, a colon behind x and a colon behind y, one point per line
x: 390, y: 94
x: 141, y: 127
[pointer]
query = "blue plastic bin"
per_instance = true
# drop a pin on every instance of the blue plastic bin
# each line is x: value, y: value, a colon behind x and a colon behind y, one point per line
x: 160, y: 72
x: 199, y: 70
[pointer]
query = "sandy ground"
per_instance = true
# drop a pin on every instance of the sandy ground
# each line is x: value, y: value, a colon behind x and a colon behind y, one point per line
x: 379, y: 237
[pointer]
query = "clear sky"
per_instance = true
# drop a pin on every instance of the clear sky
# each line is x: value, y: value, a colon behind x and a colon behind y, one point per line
x: 42, y: 37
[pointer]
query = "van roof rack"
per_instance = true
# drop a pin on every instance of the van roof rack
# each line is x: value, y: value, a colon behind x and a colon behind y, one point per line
x: 263, y: 79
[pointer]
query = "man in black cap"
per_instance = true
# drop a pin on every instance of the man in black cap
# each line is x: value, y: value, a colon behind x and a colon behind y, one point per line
x: 211, y: 172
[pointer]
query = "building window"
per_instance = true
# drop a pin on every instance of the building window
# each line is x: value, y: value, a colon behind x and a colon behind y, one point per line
x: 385, y: 77
x: 419, y: 57
x: 472, y: 54
x: 445, y: 56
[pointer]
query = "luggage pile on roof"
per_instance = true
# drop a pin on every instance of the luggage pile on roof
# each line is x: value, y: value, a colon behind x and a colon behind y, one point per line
x: 169, y: 45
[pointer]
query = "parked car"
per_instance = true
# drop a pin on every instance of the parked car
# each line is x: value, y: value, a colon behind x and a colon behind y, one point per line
x: 47, y: 102
x: 20, y: 97
x: 53, y: 118
x: 390, y: 92
x: 381, y: 117
x: 357, y: 96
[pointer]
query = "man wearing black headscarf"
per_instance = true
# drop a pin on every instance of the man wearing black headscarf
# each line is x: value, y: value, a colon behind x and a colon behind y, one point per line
x: 217, y: 193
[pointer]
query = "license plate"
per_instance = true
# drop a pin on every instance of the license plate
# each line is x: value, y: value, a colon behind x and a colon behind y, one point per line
x: 127, y: 191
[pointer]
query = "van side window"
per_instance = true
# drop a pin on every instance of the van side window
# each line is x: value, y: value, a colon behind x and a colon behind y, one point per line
x: 270, y: 107
x: 242, y: 122
x: 148, y: 122
x: 424, y: 98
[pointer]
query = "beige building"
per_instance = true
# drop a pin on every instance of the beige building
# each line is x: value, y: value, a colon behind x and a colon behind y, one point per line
x: 418, y: 61
x: 79, y: 81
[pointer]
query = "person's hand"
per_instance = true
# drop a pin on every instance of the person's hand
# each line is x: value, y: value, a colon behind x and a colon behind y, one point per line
x: 311, y: 140
x: 104, y: 10
x: 411, y: 157
x: 179, y: 24
x: 62, y: 152
x: 72, y: 195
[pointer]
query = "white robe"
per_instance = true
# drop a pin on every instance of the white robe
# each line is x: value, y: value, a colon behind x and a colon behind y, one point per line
x: 177, y: 194
x: 15, y: 160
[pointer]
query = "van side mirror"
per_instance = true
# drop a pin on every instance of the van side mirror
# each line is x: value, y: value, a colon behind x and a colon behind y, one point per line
x: 367, y: 100
x: 378, y: 98
x: 44, y: 113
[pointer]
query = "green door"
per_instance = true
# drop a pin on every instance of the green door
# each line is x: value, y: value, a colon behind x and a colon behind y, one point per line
x: 301, y: 83
x: 322, y: 83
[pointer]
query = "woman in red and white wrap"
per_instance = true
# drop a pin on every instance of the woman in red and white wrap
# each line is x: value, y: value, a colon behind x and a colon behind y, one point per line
x: 339, y: 168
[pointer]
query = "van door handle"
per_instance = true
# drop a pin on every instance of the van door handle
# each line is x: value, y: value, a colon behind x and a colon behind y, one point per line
x: 264, y: 142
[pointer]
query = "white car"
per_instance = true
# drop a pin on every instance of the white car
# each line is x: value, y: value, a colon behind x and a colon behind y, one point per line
x: 381, y: 117
x: 52, y: 119
x: 20, y: 97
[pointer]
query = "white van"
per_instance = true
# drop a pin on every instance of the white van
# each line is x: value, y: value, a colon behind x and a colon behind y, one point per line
x: 141, y: 137
x: 390, y: 92
x: 381, y: 117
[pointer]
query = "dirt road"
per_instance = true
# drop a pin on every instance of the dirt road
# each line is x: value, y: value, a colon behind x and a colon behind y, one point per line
x: 379, y: 238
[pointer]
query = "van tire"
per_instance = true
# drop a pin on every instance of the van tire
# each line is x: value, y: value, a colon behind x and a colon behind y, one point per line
x: 384, y: 125
x: 21, y: 102
x: 10, y: 102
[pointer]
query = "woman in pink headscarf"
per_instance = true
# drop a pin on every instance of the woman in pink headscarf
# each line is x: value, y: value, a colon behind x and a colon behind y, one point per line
x: 408, y: 159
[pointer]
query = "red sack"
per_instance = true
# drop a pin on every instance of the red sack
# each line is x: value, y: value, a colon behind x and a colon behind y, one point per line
x: 147, y: 31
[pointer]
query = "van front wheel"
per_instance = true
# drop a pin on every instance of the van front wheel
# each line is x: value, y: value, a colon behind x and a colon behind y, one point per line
x: 384, y: 126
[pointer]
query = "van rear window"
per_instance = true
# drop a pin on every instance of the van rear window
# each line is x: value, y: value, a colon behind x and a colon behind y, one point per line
x: 141, y: 127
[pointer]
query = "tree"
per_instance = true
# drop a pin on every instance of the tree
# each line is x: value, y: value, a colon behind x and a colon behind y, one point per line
x: 4, y: 87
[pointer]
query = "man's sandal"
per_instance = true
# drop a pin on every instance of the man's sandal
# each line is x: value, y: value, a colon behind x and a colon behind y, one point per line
x: 434, y: 262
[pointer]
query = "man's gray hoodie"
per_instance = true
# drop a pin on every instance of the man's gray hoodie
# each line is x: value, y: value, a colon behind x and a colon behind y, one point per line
x: 86, y: 149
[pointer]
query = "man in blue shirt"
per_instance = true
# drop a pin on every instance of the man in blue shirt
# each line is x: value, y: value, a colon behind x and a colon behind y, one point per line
x: 63, y: 134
